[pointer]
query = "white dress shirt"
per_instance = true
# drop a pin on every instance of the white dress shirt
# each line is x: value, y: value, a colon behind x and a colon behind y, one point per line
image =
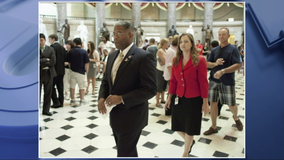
x: 170, y: 55
x: 125, y: 51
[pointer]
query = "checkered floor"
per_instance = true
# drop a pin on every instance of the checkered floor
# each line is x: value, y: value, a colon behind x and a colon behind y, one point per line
x: 80, y: 131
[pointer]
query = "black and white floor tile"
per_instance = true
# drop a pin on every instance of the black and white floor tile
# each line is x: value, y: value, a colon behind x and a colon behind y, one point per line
x: 81, y: 132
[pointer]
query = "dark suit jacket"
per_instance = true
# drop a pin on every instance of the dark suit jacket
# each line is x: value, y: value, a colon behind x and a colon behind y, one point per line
x: 60, y: 58
x: 136, y: 83
x: 48, y: 53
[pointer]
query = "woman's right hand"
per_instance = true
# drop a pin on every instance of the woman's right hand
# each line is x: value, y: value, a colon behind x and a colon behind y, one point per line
x: 168, y: 104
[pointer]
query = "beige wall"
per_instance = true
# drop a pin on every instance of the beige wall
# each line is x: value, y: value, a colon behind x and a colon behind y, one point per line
x: 90, y: 11
x: 47, y: 8
x: 236, y: 12
x: 186, y: 12
x: 150, y: 12
x: 125, y: 13
x: 75, y: 9
x: 198, y: 14
x: 117, y: 12
x: 114, y: 11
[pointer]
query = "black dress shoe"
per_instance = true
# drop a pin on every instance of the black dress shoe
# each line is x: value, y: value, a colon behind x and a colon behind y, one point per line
x: 47, y: 114
x: 191, y: 146
x: 56, y: 106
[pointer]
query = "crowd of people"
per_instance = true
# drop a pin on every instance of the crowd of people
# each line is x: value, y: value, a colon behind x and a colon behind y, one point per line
x: 62, y: 68
x: 133, y: 75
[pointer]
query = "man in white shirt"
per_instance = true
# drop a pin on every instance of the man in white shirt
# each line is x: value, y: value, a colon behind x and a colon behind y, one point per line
x: 102, y: 64
x: 109, y: 46
x: 106, y: 44
x: 170, y: 55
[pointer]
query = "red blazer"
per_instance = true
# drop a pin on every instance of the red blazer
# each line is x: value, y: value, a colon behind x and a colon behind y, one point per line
x: 190, y: 81
x: 200, y: 46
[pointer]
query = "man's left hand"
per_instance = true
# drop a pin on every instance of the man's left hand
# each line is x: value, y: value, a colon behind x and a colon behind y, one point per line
x: 113, y: 100
x: 218, y: 74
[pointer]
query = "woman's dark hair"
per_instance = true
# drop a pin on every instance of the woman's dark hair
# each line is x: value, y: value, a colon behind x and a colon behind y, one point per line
x: 70, y: 43
x: 106, y: 37
x: 92, y: 48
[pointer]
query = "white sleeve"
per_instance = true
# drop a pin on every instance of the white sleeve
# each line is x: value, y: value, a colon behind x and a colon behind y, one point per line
x: 96, y: 54
x: 112, y: 45
x: 169, y: 58
x: 100, y: 45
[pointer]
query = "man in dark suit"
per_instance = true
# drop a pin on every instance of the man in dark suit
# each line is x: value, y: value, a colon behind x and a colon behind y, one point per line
x: 60, y: 70
x: 128, y: 83
x: 47, y: 72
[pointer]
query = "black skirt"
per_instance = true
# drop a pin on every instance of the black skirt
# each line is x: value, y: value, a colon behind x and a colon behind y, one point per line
x: 161, y: 82
x: 187, y: 116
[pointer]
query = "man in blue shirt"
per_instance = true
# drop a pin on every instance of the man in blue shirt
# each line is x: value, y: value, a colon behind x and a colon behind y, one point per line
x: 224, y: 61
x: 79, y: 64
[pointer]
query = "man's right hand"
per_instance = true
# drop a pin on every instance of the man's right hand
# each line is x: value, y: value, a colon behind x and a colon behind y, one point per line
x: 101, y: 106
x: 220, y: 61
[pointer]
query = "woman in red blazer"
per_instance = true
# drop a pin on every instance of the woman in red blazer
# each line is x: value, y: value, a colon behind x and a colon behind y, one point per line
x: 189, y: 82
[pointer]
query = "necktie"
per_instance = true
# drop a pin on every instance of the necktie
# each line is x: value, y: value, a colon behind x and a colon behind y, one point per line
x: 117, y: 66
x: 42, y: 49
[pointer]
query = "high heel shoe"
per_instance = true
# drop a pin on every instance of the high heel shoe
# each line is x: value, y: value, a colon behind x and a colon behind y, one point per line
x: 86, y: 92
x: 191, y: 146
x: 93, y: 93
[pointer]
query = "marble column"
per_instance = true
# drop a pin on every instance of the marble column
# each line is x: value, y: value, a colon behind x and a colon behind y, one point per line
x: 100, y: 19
x: 136, y: 13
x: 208, y: 20
x: 136, y: 17
x: 171, y: 16
x: 60, y: 20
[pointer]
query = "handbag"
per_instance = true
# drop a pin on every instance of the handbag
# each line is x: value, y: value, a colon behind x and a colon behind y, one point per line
x: 160, y: 61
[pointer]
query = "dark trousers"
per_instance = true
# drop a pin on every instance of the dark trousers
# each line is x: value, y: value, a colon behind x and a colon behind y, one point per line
x: 126, y: 143
x: 46, y: 81
x: 58, y: 82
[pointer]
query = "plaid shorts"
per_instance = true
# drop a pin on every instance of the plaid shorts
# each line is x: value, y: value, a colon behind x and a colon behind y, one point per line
x: 226, y: 93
